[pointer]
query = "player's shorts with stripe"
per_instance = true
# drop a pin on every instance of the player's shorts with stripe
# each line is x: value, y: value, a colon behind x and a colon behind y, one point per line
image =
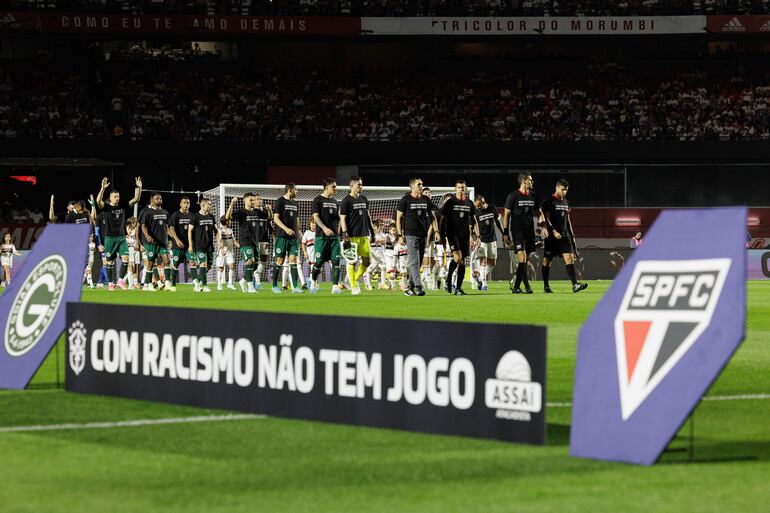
x: 154, y: 250
x: 6, y: 260
x: 134, y: 256
x: 114, y: 247
x: 555, y: 248
x: 205, y: 257
x: 285, y: 246
x: 487, y: 250
x: 248, y: 252
x: 378, y: 257
x: 310, y: 248
x: 364, y: 246
x: 523, y: 238
x: 327, y: 248
x: 461, y: 245
x: 180, y: 256
x: 401, y: 263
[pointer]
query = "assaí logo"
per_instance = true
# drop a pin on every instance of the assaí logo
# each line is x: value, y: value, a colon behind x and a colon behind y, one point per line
x: 35, y: 305
x: 513, y: 394
x: 666, y: 307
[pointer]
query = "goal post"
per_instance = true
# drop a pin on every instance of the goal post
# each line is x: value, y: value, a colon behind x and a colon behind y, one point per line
x: 383, y: 202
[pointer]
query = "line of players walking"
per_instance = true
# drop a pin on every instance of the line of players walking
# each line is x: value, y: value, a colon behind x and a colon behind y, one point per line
x: 426, y: 245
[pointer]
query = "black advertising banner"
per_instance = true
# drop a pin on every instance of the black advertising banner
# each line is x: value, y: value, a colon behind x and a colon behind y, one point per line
x: 480, y: 380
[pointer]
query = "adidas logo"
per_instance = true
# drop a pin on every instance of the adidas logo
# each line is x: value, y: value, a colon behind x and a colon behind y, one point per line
x: 765, y: 27
x: 734, y: 25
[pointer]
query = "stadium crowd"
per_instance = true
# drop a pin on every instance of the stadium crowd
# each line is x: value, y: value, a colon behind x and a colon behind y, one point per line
x: 600, y: 102
x: 405, y: 7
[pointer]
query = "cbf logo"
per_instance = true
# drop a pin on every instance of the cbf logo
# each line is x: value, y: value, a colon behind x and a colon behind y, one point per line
x: 513, y: 394
x: 35, y: 305
x: 666, y: 307
x: 77, y: 336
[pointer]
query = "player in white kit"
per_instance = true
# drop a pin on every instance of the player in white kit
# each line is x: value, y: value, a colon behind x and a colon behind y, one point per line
x: 226, y: 244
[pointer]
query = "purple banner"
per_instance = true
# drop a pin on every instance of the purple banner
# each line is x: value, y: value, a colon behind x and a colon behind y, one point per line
x: 32, y: 313
x: 660, y: 335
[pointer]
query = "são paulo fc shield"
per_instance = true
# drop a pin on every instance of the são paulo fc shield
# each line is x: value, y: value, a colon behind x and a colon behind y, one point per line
x: 660, y: 336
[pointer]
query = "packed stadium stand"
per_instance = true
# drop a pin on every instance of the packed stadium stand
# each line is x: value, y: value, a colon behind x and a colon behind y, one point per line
x: 596, y: 101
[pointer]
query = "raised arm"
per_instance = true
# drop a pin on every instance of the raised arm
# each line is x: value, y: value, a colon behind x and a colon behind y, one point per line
x: 137, y: 192
x: 229, y: 213
x: 100, y: 196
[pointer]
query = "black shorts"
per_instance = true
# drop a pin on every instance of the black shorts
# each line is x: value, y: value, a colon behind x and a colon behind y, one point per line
x: 461, y: 245
x: 523, y: 238
x: 555, y: 248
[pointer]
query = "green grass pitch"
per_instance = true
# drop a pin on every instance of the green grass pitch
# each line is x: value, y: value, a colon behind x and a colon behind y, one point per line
x: 282, y: 465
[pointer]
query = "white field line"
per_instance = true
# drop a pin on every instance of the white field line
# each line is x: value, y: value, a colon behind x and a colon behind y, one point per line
x: 128, y: 423
x: 745, y: 397
x: 221, y: 418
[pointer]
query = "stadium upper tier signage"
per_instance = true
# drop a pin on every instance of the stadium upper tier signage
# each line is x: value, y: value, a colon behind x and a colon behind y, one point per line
x: 32, y: 312
x: 482, y: 380
x: 660, y: 336
x: 583, y: 25
x: 89, y: 23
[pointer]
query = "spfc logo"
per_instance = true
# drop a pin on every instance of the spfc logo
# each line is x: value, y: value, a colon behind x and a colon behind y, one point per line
x: 667, y: 306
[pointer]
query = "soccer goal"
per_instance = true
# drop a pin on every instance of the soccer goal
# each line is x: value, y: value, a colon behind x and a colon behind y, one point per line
x: 383, y: 202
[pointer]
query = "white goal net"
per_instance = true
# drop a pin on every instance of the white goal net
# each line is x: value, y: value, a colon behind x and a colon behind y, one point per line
x: 383, y: 202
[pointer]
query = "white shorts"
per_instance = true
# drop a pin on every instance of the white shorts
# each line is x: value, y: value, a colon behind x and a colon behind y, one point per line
x: 429, y: 250
x: 263, y: 249
x: 6, y: 260
x: 227, y: 258
x: 310, y: 254
x: 401, y: 262
x: 488, y: 250
x: 377, y: 257
x: 134, y: 256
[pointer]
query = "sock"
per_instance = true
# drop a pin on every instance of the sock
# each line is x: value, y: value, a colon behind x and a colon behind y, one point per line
x: 123, y: 270
x: 383, y: 275
x: 546, y: 275
x: 571, y: 273
x: 232, y: 276
x: 367, y: 278
x: 110, y: 272
x: 352, y: 275
x: 452, y: 267
x: 248, y: 272
x: 203, y: 276
x: 284, y: 274
x: 335, y: 272
x: 130, y: 278
x: 220, y: 276
x: 488, y: 274
x: 521, y: 268
x: 435, y: 273
x: 483, y: 274
x: 315, y: 273
x: 194, y: 273
x: 167, y: 273
x: 174, y: 276
x: 276, y: 272
x: 258, y: 274
x: 294, y: 272
x: 135, y: 276
x: 460, y: 275
x: 524, y: 277
x: 147, y: 277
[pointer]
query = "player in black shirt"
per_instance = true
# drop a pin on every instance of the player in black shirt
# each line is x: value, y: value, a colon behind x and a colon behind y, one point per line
x: 487, y: 219
x: 154, y: 237
x: 520, y: 209
x: 201, y: 233
x: 114, y: 238
x: 265, y: 214
x: 286, y: 220
x: 414, y: 216
x: 357, y: 228
x: 177, y: 229
x: 560, y: 240
x: 248, y: 237
x: 458, y: 215
x: 326, y: 215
